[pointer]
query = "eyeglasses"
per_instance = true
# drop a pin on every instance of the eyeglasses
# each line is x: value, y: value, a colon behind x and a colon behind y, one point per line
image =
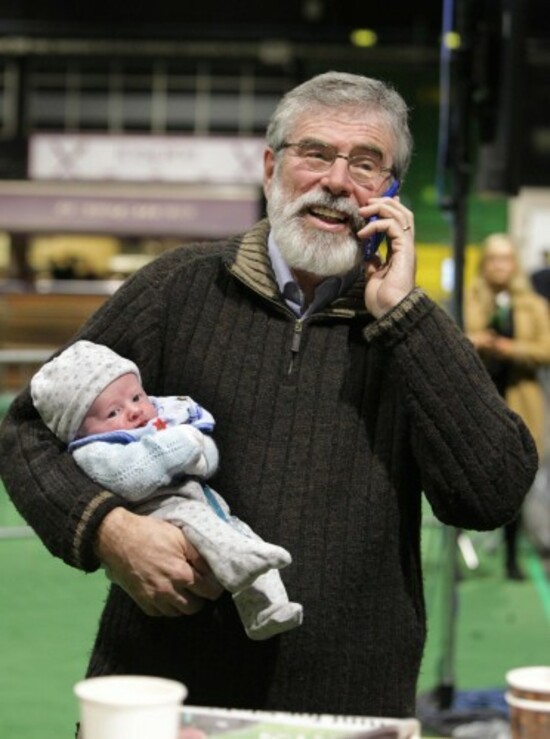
x: 319, y: 157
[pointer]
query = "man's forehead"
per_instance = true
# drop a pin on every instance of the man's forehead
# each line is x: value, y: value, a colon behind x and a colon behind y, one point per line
x: 362, y: 131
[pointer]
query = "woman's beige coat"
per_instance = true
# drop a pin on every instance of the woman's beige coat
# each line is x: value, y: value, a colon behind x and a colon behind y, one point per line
x: 531, y: 350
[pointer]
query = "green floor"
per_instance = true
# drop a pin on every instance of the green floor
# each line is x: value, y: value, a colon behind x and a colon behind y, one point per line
x: 48, y: 614
x: 498, y: 624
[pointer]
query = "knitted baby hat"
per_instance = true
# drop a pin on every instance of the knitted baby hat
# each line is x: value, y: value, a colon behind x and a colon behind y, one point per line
x: 64, y: 389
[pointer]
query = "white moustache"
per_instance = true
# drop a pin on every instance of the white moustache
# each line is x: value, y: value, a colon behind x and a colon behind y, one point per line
x: 324, y: 201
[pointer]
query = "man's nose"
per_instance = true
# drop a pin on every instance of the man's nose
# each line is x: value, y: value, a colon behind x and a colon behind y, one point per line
x: 337, y: 180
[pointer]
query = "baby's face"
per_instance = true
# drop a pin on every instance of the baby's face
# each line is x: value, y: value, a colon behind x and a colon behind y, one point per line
x: 122, y: 405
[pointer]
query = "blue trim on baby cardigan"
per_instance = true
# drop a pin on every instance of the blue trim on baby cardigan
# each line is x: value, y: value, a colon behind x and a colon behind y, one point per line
x: 112, y: 437
x: 213, y: 503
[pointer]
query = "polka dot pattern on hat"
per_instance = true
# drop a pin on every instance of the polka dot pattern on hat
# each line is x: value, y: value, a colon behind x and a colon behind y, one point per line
x: 65, y: 387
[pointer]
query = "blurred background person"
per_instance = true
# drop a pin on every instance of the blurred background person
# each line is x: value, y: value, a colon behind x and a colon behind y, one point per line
x: 540, y: 278
x: 509, y: 324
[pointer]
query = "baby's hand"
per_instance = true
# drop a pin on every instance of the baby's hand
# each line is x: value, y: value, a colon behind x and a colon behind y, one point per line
x: 207, y: 463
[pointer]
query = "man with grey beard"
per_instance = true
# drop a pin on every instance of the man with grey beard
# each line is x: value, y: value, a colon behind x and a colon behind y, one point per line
x: 342, y: 394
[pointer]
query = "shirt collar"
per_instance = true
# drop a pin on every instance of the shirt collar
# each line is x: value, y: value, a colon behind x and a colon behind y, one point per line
x: 325, y: 292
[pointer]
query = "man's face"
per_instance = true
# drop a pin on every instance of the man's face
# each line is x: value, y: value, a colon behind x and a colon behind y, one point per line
x: 121, y: 405
x: 315, y: 216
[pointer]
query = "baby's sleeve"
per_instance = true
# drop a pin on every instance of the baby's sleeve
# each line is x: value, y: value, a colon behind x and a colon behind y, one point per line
x: 137, y: 469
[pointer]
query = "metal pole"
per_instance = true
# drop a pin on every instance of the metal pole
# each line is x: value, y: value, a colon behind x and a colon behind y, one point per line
x: 457, y: 163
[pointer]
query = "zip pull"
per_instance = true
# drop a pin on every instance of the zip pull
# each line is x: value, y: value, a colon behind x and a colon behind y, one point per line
x: 295, y: 345
x: 297, y: 338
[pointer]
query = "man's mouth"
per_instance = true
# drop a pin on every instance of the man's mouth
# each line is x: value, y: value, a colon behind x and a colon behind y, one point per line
x: 329, y: 215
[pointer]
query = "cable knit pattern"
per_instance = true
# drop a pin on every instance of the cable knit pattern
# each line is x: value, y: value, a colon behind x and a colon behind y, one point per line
x: 326, y: 455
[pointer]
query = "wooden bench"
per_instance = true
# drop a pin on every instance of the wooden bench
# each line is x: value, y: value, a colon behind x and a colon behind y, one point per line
x: 30, y: 322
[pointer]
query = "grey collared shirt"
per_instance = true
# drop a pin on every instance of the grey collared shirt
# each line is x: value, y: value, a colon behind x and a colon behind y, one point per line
x: 325, y: 292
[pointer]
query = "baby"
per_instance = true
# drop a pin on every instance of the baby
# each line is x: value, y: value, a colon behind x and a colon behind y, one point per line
x: 156, y: 452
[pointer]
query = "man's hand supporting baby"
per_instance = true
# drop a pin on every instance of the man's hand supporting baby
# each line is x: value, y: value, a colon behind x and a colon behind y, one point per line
x: 152, y: 561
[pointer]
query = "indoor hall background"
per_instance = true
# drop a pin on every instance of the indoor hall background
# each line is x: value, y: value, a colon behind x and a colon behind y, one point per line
x: 117, y: 70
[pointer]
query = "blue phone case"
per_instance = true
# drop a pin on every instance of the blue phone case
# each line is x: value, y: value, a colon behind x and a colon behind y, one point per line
x: 370, y: 245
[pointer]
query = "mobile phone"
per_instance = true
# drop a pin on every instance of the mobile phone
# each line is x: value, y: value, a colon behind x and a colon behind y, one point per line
x: 371, y: 244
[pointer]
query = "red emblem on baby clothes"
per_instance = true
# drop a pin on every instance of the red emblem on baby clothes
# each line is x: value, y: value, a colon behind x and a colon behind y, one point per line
x: 159, y: 424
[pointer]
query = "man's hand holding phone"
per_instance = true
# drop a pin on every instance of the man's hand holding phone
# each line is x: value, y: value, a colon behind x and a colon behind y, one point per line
x: 371, y: 243
x: 388, y: 281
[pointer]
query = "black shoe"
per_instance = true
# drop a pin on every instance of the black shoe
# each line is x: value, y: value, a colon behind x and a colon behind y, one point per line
x: 514, y: 572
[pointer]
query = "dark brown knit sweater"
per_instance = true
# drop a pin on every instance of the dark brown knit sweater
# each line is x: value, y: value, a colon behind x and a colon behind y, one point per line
x: 329, y: 429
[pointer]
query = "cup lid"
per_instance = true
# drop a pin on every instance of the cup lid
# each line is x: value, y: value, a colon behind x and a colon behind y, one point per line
x: 535, y: 679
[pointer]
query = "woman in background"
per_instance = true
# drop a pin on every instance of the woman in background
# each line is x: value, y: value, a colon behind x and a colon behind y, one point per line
x: 509, y: 324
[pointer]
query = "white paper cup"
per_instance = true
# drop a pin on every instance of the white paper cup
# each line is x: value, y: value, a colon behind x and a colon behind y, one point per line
x: 129, y: 707
x: 529, y: 699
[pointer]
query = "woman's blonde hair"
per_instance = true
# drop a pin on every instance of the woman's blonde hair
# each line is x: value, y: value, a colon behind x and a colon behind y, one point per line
x: 519, y: 282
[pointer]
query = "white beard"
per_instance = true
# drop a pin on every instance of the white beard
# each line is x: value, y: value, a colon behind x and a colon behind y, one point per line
x: 317, y: 252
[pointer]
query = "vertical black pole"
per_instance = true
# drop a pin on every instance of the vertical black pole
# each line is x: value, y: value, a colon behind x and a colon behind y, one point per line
x: 457, y: 205
x: 461, y: 168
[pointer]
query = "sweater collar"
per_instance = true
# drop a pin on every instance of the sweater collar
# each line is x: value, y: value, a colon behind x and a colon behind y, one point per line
x: 251, y: 264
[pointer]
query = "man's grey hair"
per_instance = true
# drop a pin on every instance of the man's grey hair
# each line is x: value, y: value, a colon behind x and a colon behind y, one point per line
x: 337, y: 90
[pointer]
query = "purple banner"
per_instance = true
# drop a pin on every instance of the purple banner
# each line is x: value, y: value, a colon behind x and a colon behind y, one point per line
x: 147, y: 213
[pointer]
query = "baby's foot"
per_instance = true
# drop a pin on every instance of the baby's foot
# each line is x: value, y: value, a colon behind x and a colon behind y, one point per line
x: 243, y: 564
x: 274, y: 620
x: 236, y: 560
